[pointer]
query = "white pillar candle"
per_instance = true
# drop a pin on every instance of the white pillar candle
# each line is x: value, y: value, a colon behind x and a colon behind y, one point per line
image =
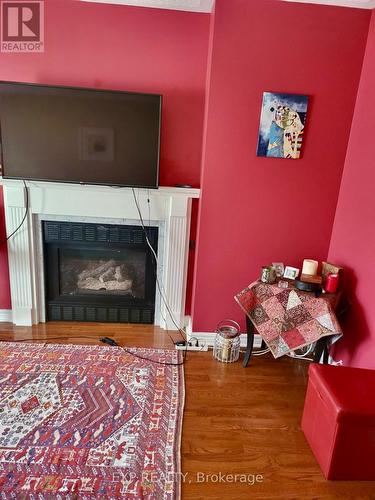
x: 310, y: 267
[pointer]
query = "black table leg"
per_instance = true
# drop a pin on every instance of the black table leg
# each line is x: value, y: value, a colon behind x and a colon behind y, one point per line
x: 321, y: 349
x: 250, y: 342
x: 319, y: 346
x: 326, y: 353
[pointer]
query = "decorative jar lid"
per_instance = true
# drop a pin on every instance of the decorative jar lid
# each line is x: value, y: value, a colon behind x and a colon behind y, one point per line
x: 228, y: 329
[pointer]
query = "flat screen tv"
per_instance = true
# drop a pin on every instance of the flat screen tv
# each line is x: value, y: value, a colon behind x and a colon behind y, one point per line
x: 87, y: 136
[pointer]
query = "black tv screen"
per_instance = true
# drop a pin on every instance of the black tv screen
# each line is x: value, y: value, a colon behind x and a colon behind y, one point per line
x: 86, y: 136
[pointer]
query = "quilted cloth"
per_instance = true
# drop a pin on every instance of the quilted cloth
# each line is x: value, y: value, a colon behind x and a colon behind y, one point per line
x: 288, y: 319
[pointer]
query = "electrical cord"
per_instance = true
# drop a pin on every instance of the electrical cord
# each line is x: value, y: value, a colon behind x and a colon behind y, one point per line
x: 303, y: 356
x: 299, y: 357
x: 45, y: 340
x: 155, y: 263
x: 260, y: 352
x: 113, y: 343
x: 162, y: 292
x: 156, y: 260
x: 23, y: 220
x: 180, y: 363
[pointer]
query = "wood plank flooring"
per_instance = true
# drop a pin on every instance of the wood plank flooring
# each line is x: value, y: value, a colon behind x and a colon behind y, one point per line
x: 236, y: 421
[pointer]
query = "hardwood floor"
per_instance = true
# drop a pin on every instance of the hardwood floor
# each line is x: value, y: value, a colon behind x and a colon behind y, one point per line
x: 237, y: 421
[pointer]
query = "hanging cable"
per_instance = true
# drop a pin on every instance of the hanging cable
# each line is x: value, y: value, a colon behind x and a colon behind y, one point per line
x: 164, y: 299
x: 23, y: 220
x: 162, y: 293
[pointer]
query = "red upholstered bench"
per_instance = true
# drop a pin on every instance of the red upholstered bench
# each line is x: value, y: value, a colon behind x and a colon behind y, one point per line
x: 339, y: 421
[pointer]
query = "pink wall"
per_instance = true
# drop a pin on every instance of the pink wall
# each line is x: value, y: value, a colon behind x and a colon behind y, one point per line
x: 4, y: 278
x: 258, y: 210
x: 353, y: 237
x: 129, y: 48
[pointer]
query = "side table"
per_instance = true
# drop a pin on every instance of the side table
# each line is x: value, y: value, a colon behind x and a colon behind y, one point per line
x: 289, y: 319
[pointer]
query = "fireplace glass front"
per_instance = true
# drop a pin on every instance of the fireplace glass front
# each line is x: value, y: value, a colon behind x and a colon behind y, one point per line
x: 97, y: 272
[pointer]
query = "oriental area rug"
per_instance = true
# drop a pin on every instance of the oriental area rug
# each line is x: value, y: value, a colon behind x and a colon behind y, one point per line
x: 88, y: 422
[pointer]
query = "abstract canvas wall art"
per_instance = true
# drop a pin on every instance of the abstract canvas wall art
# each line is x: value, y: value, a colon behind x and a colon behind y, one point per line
x: 282, y: 124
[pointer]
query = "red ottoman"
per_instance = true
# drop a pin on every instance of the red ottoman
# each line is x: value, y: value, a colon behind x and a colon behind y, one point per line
x: 339, y: 421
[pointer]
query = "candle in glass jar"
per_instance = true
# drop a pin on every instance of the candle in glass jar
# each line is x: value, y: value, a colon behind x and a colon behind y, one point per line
x: 332, y: 282
x: 310, y: 267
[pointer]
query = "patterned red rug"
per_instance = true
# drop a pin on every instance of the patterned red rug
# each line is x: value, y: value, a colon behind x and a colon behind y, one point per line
x: 89, y: 422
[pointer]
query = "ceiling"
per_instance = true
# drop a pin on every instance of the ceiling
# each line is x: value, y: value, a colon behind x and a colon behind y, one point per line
x: 207, y: 5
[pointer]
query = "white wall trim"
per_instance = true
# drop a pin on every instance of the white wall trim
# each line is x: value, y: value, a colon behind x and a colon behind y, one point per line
x: 357, y: 4
x: 5, y: 315
x: 204, y: 6
x: 208, y: 338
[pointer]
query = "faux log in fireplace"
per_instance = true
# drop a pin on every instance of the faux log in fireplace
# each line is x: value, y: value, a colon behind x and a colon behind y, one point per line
x: 99, y: 272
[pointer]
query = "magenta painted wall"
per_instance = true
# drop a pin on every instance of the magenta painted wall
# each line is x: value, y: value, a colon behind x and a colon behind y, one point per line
x: 129, y: 48
x: 353, y: 236
x: 258, y: 210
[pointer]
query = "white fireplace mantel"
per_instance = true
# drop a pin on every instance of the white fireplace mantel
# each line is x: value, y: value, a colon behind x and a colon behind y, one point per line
x: 169, y: 207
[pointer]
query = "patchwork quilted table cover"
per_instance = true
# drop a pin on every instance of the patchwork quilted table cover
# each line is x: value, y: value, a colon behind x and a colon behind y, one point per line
x: 288, y: 319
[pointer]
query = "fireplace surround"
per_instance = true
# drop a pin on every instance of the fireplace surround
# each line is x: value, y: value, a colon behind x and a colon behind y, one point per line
x: 168, y: 209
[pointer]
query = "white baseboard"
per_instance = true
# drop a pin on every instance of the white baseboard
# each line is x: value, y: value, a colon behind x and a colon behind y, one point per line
x: 209, y: 337
x: 5, y: 315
